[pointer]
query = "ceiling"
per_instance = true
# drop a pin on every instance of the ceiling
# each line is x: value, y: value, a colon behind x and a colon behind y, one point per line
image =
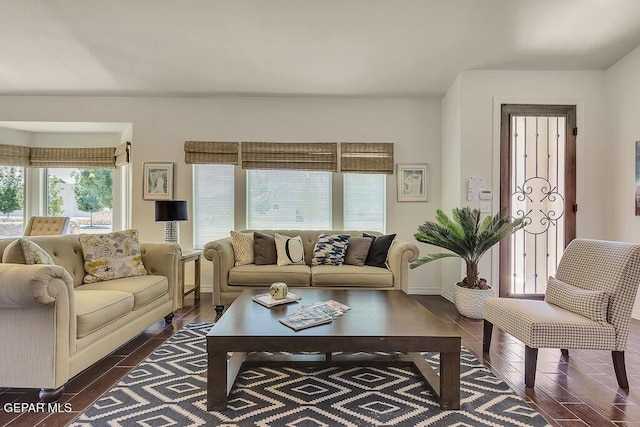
x: 298, y: 47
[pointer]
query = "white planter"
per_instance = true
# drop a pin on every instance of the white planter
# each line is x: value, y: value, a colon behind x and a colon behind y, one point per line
x: 470, y: 302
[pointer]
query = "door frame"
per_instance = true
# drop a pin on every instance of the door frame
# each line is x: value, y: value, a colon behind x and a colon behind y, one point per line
x: 570, y: 205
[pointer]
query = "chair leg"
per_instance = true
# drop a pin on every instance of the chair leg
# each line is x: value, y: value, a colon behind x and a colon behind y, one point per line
x: 49, y: 395
x: 530, y: 362
x: 564, y: 352
x: 620, y: 369
x: 219, y: 309
x: 486, y: 336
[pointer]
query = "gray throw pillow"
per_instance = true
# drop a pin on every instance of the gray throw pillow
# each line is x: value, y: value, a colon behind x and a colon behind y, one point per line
x: 357, y: 251
x: 264, y: 249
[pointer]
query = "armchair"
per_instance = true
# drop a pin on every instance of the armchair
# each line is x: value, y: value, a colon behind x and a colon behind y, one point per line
x: 587, y: 306
x: 47, y: 225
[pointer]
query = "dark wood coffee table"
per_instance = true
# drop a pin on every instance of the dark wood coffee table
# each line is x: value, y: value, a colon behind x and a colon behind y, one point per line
x: 385, y: 321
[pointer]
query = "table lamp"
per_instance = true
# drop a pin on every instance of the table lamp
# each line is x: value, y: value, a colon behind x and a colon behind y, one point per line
x: 171, y: 211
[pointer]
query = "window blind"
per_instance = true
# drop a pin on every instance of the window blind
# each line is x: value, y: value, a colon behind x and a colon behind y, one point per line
x: 319, y: 156
x: 103, y: 157
x: 122, y: 154
x: 367, y: 157
x: 14, y: 155
x: 202, y: 152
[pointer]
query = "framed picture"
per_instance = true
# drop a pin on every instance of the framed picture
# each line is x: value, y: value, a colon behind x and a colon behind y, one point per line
x: 413, y: 183
x: 157, y: 181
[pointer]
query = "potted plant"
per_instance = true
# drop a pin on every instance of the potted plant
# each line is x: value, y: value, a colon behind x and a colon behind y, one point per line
x: 467, y: 237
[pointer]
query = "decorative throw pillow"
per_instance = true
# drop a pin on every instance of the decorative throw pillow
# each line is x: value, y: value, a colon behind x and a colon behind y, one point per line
x: 590, y: 304
x: 111, y: 256
x: 242, y: 247
x: 289, y: 249
x: 34, y: 254
x: 357, y: 251
x: 330, y: 249
x: 264, y: 249
x: 377, y: 255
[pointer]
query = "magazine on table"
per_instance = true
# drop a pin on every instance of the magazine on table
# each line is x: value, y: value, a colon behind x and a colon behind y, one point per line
x: 331, y: 307
x: 306, y: 318
x: 268, y: 301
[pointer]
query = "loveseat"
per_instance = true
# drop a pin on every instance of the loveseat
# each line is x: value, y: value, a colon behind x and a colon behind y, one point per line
x: 54, y: 325
x: 230, y: 280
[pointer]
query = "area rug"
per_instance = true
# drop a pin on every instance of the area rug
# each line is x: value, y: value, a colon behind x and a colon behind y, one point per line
x: 169, y: 389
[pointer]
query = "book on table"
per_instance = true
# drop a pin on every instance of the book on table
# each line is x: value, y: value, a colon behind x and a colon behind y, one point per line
x: 268, y: 301
x: 306, y: 318
x: 331, y: 307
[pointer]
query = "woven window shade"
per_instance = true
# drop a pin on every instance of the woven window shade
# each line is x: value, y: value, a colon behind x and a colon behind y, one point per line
x: 43, y: 157
x: 366, y: 157
x: 123, y: 154
x: 202, y: 152
x: 319, y: 156
x: 14, y: 155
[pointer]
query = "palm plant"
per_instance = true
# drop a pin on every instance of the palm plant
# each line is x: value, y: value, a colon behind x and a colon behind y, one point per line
x: 467, y: 237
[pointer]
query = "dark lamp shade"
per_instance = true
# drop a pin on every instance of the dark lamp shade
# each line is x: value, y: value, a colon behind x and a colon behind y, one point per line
x: 171, y: 210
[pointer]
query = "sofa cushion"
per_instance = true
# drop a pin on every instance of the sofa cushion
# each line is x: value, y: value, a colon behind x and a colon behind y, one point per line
x: 357, y: 251
x: 379, y: 250
x: 111, y: 255
x: 330, y: 249
x: 264, y: 249
x: 590, y: 304
x: 290, y: 250
x: 242, y: 247
x: 351, y: 276
x: 34, y: 254
x: 144, y: 288
x: 98, y: 308
x: 265, y: 275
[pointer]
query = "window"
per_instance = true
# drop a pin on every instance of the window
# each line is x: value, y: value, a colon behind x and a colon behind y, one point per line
x: 11, y: 200
x: 85, y: 195
x: 364, y: 201
x: 281, y: 199
x: 213, y: 202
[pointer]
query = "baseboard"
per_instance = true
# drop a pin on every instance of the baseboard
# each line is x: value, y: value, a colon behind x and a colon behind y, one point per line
x: 424, y: 290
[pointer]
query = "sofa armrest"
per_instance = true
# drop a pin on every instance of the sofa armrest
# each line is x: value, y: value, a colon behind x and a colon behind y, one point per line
x: 36, y: 302
x: 401, y: 253
x: 220, y: 252
x: 32, y: 285
x: 163, y: 259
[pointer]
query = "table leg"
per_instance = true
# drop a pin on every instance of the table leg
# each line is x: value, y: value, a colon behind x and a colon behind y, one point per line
x: 450, y: 380
x: 196, y: 292
x: 181, y: 283
x: 216, y: 380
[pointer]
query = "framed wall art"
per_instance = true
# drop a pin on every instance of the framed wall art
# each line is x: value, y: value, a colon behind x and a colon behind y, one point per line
x: 413, y: 182
x: 157, y: 181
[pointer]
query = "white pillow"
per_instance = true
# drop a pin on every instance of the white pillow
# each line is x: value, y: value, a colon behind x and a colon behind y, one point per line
x: 290, y: 250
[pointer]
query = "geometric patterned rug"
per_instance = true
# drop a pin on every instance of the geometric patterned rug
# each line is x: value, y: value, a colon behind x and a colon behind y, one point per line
x: 169, y: 389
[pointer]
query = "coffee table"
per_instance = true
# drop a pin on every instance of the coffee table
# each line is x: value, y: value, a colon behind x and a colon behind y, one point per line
x: 383, y: 321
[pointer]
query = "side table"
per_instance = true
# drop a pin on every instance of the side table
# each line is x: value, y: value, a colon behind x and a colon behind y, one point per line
x: 187, y: 256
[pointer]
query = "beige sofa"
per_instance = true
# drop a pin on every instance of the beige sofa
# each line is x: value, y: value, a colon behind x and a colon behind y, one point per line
x: 229, y: 281
x: 54, y: 326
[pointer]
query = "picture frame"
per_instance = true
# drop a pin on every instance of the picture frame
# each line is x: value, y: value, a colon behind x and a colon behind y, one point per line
x: 157, y: 181
x: 413, y: 182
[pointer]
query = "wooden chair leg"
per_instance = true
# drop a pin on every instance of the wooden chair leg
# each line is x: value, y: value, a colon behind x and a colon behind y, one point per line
x: 486, y: 336
x: 530, y: 362
x: 620, y: 369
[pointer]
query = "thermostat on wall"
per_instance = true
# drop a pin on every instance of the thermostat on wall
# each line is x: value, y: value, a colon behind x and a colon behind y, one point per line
x: 485, y: 194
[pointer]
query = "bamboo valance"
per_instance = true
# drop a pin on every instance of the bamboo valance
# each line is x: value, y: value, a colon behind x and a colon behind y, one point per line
x: 218, y: 152
x: 14, y: 155
x: 366, y: 157
x: 103, y: 157
x: 322, y: 156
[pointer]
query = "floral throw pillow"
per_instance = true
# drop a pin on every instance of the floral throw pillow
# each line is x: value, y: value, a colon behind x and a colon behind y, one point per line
x: 33, y: 253
x: 111, y: 256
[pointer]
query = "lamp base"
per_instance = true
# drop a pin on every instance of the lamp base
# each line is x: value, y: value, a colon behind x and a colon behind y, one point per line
x: 172, y: 231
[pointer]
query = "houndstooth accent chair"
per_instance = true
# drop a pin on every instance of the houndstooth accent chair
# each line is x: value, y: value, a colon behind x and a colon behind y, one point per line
x: 592, y: 265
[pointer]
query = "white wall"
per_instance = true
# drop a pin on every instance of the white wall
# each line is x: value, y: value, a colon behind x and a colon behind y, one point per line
x: 161, y: 125
x: 481, y: 92
x: 622, y: 82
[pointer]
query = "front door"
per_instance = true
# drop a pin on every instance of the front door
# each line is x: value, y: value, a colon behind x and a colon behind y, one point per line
x: 538, y: 181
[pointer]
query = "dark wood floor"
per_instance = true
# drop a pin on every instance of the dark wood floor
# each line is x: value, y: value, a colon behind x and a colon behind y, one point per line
x: 580, y: 391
